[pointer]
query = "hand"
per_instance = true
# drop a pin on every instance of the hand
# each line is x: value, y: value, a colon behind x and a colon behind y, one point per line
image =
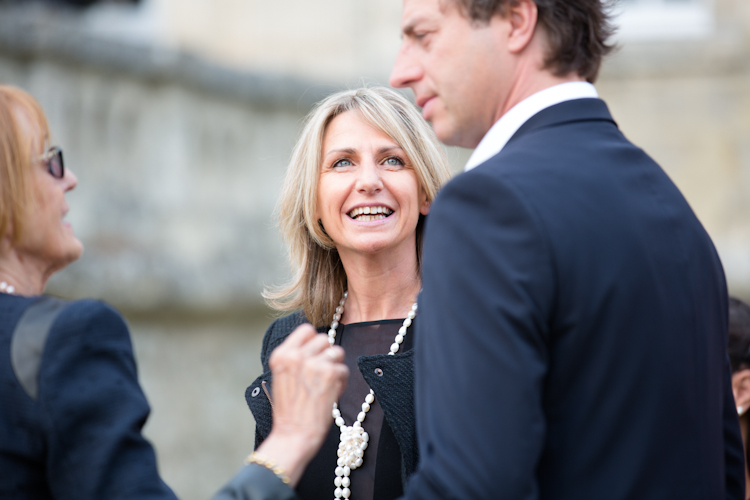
x: 308, y: 377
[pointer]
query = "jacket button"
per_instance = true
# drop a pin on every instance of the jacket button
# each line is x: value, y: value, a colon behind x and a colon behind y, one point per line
x: 255, y: 392
x: 379, y: 372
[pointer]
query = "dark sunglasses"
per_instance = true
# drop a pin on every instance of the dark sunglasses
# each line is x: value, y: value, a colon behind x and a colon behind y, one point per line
x: 53, y: 158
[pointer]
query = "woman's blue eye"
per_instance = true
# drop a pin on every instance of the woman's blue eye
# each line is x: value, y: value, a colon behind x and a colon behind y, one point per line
x: 393, y: 161
x: 342, y: 163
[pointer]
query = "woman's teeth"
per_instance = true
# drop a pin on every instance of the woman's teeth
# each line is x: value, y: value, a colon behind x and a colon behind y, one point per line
x: 370, y: 213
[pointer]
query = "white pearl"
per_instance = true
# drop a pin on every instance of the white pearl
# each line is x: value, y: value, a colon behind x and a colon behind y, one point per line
x: 331, y: 332
x: 369, y: 398
x: 339, y: 421
x: 345, y: 493
x: 339, y: 310
x: 399, y: 339
x: 338, y: 492
x: 365, y: 407
x: 359, y: 453
x: 414, y: 307
x: 407, y: 322
x: 358, y: 462
x: 357, y: 425
x: 402, y: 330
x: 361, y: 417
x: 411, y: 314
x: 336, y: 317
x: 340, y: 452
x: 366, y: 437
x: 345, y: 482
x: 339, y: 471
x: 334, y: 325
x: 340, y: 462
x: 363, y: 445
x: 331, y: 341
x: 336, y: 413
x: 337, y: 481
x: 394, y: 347
x: 11, y: 289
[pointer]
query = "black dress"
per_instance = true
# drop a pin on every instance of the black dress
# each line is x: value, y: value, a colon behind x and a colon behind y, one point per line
x: 379, y: 477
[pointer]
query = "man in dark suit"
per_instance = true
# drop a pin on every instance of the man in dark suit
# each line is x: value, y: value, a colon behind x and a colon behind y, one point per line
x: 573, y: 318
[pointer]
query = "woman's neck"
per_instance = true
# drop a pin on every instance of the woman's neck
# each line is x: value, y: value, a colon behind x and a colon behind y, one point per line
x: 25, y: 275
x: 380, y: 287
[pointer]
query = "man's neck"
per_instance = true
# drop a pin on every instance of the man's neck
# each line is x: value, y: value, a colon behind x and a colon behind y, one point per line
x: 528, y: 84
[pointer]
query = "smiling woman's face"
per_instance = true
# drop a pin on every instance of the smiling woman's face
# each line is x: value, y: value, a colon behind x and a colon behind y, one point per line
x: 47, y: 238
x: 369, y: 198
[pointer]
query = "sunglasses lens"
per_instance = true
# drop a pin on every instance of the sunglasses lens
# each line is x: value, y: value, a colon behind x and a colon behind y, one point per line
x: 55, y: 165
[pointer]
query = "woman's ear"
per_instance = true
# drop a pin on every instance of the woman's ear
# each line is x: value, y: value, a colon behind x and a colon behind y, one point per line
x: 741, y: 390
x: 425, y: 204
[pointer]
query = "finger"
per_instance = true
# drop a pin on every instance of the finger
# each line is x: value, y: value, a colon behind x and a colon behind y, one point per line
x: 335, y: 353
x: 300, y: 336
x: 315, y: 345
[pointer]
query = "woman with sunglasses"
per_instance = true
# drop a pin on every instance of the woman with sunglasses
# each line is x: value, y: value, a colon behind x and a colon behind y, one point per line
x: 71, y: 409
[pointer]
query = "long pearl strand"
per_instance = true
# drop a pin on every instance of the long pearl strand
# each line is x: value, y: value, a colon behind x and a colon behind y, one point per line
x: 353, y: 439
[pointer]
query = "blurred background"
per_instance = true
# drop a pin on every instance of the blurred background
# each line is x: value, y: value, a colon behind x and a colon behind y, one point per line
x: 178, y: 117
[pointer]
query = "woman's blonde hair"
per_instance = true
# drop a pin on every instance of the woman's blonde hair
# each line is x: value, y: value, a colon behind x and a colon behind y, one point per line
x: 16, y: 142
x: 319, y: 280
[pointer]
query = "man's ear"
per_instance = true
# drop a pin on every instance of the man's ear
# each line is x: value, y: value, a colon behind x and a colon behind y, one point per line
x: 522, y: 16
x: 741, y: 390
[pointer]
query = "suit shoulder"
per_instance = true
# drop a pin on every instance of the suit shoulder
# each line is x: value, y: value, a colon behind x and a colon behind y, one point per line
x: 87, y: 320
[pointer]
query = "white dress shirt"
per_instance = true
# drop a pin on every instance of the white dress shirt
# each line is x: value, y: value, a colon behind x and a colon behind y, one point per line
x: 498, y: 136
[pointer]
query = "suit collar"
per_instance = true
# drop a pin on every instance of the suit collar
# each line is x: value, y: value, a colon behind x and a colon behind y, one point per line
x: 501, y: 132
x: 565, y: 112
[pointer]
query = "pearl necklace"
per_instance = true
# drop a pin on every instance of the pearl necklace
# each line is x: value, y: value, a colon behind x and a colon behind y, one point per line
x: 353, y: 439
x: 5, y: 287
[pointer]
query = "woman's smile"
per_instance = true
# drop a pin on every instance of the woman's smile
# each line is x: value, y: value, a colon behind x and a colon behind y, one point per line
x: 370, y: 213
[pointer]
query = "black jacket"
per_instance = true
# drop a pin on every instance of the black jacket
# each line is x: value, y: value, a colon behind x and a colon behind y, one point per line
x: 394, y: 389
x: 71, y: 410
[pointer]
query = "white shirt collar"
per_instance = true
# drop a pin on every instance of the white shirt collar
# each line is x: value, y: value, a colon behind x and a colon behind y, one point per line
x: 498, y: 136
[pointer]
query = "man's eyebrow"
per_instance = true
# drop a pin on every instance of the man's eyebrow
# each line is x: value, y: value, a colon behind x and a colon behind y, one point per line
x: 409, y: 26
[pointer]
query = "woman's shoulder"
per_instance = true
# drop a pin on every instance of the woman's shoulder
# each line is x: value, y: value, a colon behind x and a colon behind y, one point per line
x: 278, y: 331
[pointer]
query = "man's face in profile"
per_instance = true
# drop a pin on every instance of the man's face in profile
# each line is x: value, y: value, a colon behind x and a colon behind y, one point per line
x: 452, y: 65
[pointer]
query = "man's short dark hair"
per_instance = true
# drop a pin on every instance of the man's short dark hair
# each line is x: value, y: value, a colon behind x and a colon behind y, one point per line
x: 577, y: 31
x: 739, y: 334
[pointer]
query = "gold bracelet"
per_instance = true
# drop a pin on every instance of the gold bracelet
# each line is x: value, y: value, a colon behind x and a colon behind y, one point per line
x: 254, y: 458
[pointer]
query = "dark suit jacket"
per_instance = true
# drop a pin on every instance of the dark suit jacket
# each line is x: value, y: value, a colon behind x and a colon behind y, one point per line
x: 71, y: 428
x: 573, y: 323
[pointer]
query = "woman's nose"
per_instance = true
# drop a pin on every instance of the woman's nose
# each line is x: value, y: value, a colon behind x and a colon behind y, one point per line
x: 368, y: 178
x: 70, y: 179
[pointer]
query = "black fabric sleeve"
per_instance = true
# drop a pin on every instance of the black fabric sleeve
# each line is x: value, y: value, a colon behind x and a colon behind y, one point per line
x: 481, y: 346
x: 95, y: 410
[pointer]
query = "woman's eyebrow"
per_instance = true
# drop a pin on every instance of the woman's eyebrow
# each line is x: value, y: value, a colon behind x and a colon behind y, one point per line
x: 348, y: 151
x: 388, y: 149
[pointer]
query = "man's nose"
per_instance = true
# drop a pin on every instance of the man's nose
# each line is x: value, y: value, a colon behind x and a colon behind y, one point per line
x: 405, y: 71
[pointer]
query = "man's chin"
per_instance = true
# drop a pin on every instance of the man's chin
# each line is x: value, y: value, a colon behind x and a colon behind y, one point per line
x: 451, y: 135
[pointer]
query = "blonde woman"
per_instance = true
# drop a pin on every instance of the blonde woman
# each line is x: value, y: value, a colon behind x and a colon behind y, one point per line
x: 359, y: 185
